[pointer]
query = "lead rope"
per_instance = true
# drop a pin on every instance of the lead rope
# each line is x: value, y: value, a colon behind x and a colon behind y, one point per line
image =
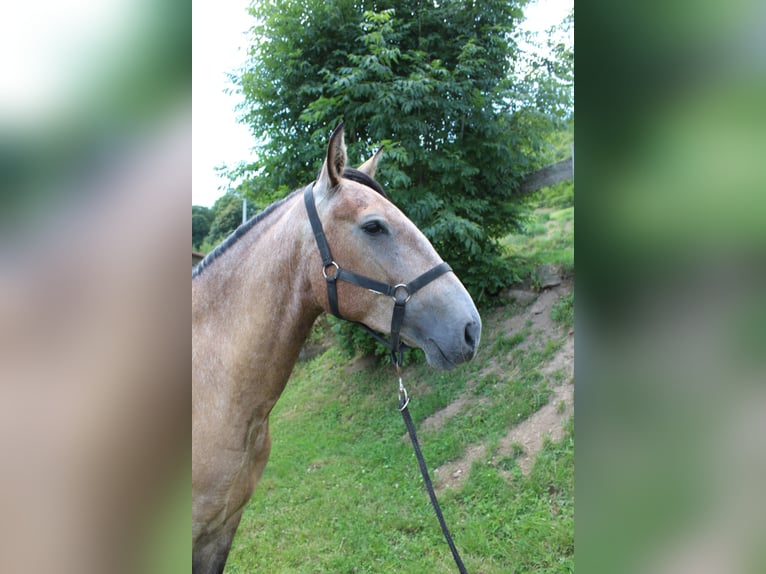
x: 401, y: 294
x: 404, y: 401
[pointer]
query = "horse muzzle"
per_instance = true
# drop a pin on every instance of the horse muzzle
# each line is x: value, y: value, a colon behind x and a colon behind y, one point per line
x: 446, y: 348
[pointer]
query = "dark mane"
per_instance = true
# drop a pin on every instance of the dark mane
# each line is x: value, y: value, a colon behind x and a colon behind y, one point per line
x: 236, y: 234
x: 348, y: 173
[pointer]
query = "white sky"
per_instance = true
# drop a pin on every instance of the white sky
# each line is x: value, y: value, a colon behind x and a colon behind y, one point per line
x: 219, y: 46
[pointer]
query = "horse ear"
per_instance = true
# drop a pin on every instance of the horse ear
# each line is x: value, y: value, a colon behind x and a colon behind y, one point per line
x: 371, y: 164
x: 334, y: 163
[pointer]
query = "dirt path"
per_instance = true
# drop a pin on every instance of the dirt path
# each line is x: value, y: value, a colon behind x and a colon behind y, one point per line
x: 526, y: 439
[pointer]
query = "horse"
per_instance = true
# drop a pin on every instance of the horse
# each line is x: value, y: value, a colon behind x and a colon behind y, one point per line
x: 255, y: 299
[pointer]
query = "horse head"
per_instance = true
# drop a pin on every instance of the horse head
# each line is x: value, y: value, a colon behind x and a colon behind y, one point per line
x: 371, y: 237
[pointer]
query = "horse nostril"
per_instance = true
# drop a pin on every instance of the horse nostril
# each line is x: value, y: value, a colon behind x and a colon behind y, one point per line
x: 472, y: 333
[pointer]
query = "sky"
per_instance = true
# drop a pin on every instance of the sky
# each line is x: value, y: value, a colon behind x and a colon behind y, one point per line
x: 219, y: 46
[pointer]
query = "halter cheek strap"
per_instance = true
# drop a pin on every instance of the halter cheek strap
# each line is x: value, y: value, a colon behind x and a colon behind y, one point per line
x: 400, y: 293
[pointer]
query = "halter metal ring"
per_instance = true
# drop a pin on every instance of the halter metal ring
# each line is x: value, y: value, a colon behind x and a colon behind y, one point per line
x: 395, y: 296
x: 334, y: 275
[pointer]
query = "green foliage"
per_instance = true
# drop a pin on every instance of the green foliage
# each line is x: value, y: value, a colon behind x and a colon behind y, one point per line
x: 227, y: 216
x: 435, y: 84
x: 545, y: 74
x: 201, y: 217
x: 563, y: 310
x: 207, y: 246
x: 203, y: 211
x: 558, y: 196
x: 353, y: 340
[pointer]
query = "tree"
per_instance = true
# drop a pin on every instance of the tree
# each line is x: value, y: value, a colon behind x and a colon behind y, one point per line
x: 201, y: 217
x: 432, y: 82
x: 227, y: 215
x: 544, y: 75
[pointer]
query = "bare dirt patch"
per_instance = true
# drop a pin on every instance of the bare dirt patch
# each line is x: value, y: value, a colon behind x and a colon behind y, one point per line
x: 537, y: 316
x: 436, y: 421
x: 529, y: 435
x: 526, y: 439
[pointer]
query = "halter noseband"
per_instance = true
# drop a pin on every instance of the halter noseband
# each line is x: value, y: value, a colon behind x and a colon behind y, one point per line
x: 400, y: 293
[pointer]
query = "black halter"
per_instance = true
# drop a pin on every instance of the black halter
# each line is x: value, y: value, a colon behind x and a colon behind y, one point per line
x: 400, y: 293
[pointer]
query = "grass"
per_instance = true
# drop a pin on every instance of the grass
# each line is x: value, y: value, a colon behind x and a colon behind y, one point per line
x: 548, y: 238
x: 505, y: 343
x: 342, y: 491
x: 563, y: 310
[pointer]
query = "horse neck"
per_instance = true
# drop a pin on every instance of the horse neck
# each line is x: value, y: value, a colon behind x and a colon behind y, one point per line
x: 256, y: 308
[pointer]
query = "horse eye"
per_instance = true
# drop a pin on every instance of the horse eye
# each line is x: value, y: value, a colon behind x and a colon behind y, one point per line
x: 374, y: 228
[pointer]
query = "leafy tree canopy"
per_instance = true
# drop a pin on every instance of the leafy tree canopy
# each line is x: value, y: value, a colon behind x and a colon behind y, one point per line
x: 201, y: 217
x: 432, y: 81
x: 200, y: 229
x: 212, y: 225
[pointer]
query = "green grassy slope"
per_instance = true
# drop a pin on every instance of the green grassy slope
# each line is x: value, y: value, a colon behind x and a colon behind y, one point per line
x: 342, y: 491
